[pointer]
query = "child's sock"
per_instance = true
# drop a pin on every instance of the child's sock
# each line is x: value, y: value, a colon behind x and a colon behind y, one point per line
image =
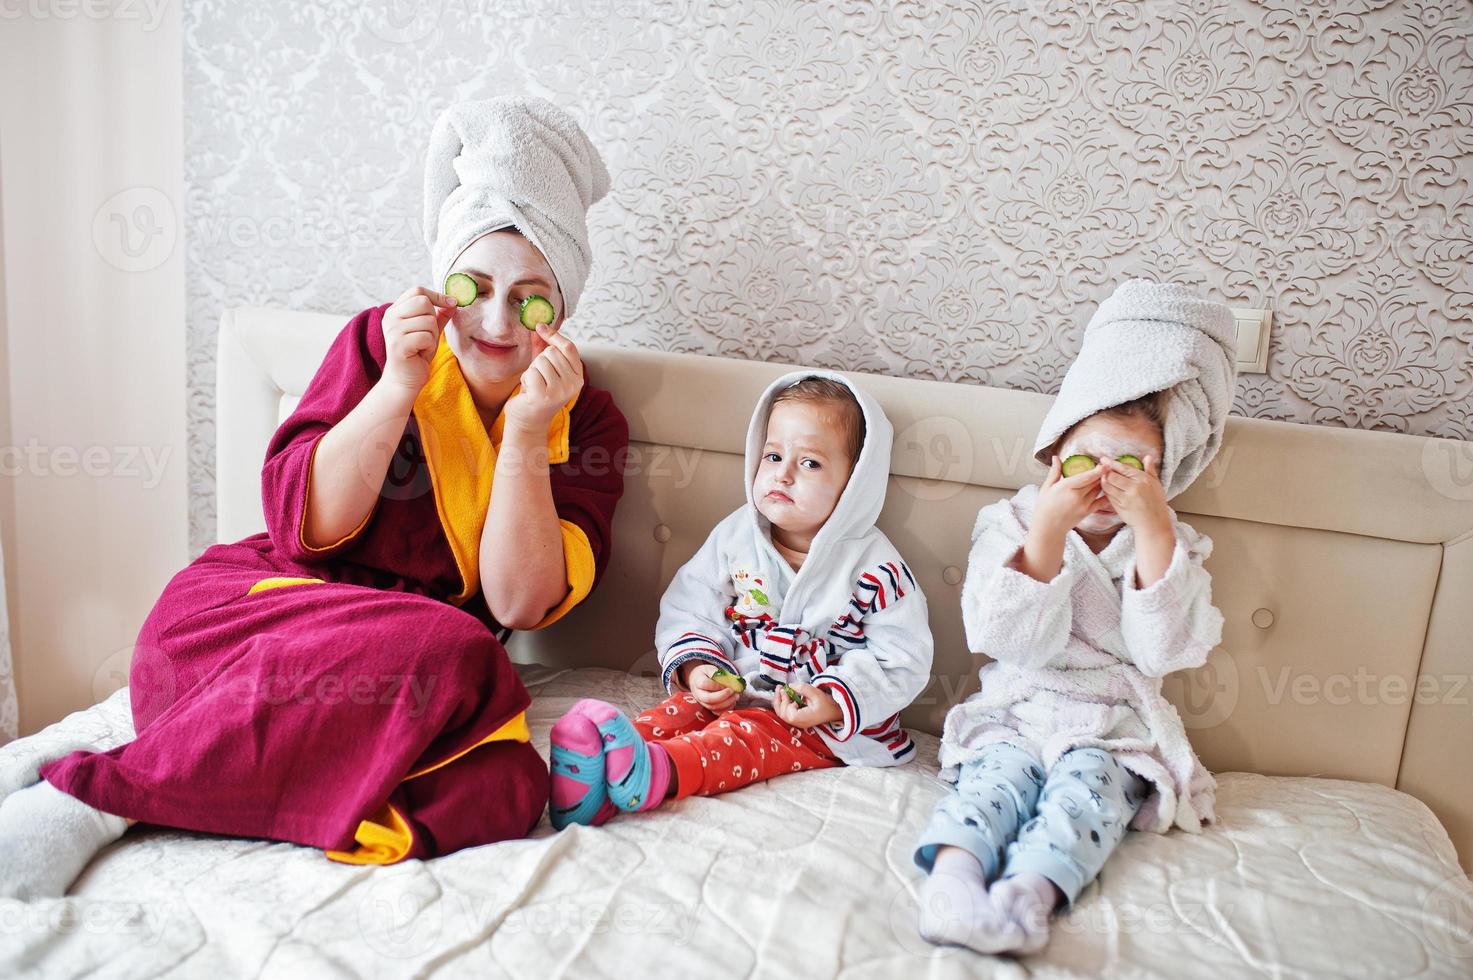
x: 636, y: 772
x: 1026, y: 901
x: 47, y: 838
x: 21, y: 771
x: 956, y: 908
x: 579, y: 793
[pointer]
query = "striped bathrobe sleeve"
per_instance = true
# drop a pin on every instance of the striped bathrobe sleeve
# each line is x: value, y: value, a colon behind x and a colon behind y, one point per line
x: 883, y: 650
x: 692, y: 623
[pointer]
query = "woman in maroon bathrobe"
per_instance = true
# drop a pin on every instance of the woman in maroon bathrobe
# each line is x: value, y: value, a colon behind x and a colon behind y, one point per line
x: 340, y: 680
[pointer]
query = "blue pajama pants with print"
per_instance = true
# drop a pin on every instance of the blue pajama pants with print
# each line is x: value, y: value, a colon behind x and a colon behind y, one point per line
x: 1014, y: 819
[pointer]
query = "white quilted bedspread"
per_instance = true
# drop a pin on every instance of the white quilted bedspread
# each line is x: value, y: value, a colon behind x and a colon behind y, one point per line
x: 806, y: 876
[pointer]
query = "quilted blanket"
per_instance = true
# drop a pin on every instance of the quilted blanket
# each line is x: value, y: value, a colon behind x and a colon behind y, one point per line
x: 808, y: 875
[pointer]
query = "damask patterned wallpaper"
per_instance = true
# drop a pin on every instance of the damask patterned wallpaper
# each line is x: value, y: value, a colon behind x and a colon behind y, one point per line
x: 940, y: 190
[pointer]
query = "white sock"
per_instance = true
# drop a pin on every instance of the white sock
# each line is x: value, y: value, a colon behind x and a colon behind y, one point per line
x: 1026, y: 901
x: 956, y: 909
x: 47, y: 838
x: 20, y: 770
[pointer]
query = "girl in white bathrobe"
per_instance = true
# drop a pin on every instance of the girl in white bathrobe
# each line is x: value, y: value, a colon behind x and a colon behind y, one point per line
x: 1085, y: 592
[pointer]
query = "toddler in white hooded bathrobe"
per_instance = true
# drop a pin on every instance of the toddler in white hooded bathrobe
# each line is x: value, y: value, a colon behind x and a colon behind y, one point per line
x: 1085, y: 592
x: 792, y: 639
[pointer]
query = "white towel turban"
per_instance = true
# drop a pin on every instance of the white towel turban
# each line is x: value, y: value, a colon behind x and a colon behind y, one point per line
x: 1150, y: 337
x: 513, y: 162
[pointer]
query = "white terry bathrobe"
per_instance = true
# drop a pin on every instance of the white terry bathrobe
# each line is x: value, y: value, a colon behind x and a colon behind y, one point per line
x: 1078, y: 661
x: 852, y: 621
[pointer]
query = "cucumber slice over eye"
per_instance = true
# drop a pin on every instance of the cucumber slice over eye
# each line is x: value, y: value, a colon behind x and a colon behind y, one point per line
x: 794, y: 696
x: 1130, y: 460
x: 461, y: 288
x: 536, y: 310
x: 1077, y: 464
x: 726, y: 678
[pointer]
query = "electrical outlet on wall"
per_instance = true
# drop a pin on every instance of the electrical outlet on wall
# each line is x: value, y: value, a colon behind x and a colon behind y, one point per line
x: 1253, y: 331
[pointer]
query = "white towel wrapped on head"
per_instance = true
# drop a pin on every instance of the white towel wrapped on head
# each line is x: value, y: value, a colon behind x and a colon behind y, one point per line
x: 513, y: 162
x: 1150, y: 337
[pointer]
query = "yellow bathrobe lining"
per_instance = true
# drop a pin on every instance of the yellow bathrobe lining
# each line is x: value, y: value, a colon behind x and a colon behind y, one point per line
x: 461, y: 456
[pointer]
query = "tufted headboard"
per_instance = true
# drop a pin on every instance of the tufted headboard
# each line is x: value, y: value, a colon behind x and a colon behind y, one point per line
x: 1343, y: 559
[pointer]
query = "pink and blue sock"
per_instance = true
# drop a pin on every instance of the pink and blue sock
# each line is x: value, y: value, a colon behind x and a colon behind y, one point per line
x: 636, y: 772
x: 579, y: 794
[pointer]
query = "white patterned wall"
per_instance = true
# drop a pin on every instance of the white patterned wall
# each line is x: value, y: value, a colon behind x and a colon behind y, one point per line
x: 911, y: 188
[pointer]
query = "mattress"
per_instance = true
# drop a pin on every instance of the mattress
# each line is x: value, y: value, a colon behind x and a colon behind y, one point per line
x: 807, y: 875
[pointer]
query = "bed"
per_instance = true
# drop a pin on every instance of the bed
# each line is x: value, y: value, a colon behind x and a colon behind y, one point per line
x: 1342, y: 813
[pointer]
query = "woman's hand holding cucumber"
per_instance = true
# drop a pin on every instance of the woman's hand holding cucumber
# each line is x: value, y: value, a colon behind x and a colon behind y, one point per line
x: 549, y: 383
x: 412, y: 327
x: 352, y: 458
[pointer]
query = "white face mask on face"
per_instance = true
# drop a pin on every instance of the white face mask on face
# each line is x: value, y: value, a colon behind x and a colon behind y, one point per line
x: 1099, y: 445
x: 1100, y: 523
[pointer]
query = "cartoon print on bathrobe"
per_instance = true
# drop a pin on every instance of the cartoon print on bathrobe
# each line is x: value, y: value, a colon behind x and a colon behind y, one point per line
x: 852, y: 621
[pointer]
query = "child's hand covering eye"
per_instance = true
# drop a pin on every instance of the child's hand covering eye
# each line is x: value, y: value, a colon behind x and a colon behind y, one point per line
x: 1064, y: 501
x: 1137, y: 496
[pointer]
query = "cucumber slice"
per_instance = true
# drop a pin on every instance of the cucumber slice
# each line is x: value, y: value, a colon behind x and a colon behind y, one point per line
x: 1077, y: 464
x: 461, y: 288
x: 536, y: 310
x: 727, y: 679
x: 1130, y: 460
x: 794, y: 696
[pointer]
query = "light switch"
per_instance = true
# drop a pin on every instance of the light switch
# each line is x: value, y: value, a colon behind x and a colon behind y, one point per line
x: 1253, y: 331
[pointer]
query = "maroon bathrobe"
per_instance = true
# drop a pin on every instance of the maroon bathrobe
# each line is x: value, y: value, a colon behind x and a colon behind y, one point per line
x: 356, y: 697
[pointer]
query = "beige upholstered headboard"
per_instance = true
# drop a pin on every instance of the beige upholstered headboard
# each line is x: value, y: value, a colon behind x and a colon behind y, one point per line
x: 1343, y: 560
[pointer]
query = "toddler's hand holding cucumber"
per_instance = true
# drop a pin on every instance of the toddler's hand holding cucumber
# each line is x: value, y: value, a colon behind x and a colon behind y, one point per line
x: 1065, y: 500
x: 412, y: 327
x: 1137, y: 495
x: 818, y: 707
x: 711, y: 693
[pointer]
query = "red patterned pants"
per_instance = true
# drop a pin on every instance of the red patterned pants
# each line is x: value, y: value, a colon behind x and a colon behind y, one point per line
x: 717, y: 753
